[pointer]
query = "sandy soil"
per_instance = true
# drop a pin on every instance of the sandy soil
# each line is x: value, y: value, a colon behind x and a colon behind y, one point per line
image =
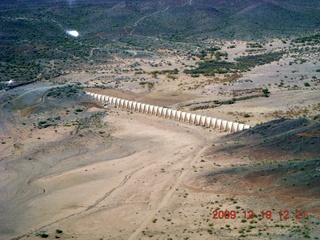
x: 129, y: 189
x: 145, y: 181
x: 138, y: 176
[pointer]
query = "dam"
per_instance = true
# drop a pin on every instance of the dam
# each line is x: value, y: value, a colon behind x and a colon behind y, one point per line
x: 168, y: 113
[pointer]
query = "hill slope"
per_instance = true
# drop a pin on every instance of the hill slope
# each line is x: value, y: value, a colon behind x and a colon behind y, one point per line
x: 177, y: 19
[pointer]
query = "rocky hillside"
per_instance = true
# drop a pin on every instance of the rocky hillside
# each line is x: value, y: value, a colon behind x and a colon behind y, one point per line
x: 176, y: 19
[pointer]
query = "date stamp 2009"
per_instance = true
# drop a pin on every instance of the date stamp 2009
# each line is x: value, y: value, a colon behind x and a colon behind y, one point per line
x: 267, y: 214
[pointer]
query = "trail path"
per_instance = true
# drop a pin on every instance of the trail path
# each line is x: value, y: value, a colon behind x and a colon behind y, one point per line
x: 2, y: 113
x: 139, y: 20
x: 166, y: 198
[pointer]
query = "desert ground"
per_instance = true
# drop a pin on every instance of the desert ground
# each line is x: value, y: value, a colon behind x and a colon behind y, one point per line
x: 74, y: 168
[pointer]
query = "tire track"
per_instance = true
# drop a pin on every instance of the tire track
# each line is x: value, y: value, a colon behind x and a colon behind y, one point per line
x: 169, y: 194
x: 123, y: 182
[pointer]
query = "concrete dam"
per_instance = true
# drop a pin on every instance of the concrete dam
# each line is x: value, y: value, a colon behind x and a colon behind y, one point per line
x: 209, y: 122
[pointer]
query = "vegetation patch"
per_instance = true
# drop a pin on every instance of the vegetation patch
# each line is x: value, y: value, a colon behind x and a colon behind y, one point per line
x: 242, y: 64
x: 308, y: 39
x: 63, y: 92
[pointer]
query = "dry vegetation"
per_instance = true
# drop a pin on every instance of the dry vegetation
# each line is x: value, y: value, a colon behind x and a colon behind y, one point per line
x: 74, y: 168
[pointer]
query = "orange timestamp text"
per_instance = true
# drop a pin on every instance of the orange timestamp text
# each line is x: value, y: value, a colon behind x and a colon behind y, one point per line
x: 250, y: 214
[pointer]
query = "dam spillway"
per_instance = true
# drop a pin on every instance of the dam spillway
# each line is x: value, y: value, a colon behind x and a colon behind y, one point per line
x: 168, y: 113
